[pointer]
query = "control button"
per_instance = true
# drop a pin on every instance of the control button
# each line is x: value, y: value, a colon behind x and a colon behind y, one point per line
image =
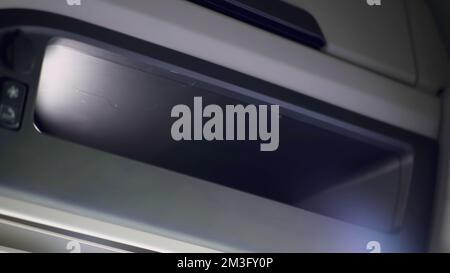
x: 9, y: 116
x: 13, y: 93
x: 12, y: 102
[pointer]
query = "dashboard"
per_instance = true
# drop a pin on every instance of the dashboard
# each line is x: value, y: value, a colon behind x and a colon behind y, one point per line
x: 272, y: 128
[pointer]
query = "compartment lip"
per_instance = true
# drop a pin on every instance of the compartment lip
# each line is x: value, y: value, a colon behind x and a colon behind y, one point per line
x: 144, y: 63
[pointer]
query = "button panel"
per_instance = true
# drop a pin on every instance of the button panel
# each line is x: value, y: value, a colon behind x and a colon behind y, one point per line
x: 12, y: 101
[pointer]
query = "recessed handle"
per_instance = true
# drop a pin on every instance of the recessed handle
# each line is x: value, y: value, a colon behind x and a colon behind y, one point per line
x: 275, y: 16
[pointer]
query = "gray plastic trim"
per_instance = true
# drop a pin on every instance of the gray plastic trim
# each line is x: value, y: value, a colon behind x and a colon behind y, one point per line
x: 180, y: 25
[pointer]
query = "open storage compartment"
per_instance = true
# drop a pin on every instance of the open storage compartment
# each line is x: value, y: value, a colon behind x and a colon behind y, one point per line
x: 122, y: 104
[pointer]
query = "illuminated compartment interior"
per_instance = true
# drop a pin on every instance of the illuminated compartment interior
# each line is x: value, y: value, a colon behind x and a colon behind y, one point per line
x: 122, y: 105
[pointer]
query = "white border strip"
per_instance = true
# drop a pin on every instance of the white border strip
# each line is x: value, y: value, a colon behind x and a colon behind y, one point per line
x: 60, y: 236
x: 95, y: 228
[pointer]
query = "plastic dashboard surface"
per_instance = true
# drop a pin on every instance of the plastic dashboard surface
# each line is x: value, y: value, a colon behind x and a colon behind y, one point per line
x: 54, y: 172
x: 300, y: 69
